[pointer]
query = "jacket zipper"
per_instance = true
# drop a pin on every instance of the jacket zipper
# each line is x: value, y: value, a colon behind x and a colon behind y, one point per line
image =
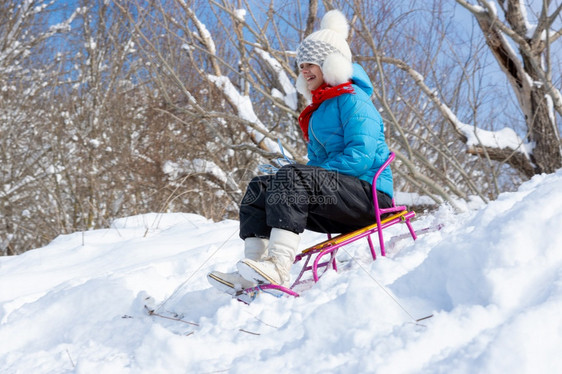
x: 315, y: 137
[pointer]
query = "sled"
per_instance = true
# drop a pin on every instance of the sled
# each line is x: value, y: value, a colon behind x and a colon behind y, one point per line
x: 322, y: 256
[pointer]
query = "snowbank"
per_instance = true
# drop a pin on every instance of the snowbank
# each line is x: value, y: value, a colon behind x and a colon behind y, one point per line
x: 491, y: 278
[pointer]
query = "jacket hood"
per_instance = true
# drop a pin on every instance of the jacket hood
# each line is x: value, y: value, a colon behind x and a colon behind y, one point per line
x: 361, y: 79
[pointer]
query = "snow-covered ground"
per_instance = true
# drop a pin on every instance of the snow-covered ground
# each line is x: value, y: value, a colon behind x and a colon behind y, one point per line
x: 491, y: 278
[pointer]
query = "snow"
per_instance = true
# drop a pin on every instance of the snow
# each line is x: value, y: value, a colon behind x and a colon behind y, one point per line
x: 504, y: 138
x: 412, y: 198
x: 195, y: 166
x: 242, y: 103
x: 290, y: 98
x: 491, y: 278
x: 95, y: 142
x: 240, y: 14
x: 205, y: 34
x: 244, y: 108
x: 530, y: 27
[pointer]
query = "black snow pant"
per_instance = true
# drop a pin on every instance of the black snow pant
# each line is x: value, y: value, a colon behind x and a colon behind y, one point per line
x: 300, y: 197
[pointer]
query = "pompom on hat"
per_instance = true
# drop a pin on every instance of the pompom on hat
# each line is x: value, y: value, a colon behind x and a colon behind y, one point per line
x: 328, y: 49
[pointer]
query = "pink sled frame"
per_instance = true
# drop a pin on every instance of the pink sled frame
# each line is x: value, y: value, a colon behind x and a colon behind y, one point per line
x: 402, y: 215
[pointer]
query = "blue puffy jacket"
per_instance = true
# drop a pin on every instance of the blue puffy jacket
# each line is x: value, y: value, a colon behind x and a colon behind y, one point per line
x: 347, y: 134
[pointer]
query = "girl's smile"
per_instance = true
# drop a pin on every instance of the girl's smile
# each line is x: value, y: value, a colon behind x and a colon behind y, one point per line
x: 313, y: 75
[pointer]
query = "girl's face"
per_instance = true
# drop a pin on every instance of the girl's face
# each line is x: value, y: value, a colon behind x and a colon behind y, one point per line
x: 313, y: 75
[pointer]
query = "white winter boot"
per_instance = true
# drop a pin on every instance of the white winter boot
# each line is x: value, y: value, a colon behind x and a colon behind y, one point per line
x: 231, y: 283
x: 255, y: 248
x: 276, y: 267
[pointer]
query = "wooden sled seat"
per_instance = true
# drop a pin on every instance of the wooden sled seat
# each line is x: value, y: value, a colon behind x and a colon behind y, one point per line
x: 331, y: 245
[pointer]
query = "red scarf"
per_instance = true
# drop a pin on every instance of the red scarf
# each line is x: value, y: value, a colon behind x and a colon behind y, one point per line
x: 324, y: 92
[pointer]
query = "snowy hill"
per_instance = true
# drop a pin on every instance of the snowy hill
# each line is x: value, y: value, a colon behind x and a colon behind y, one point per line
x: 491, y: 278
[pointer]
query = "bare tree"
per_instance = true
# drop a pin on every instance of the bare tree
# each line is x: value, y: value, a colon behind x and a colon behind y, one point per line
x: 252, y: 55
x: 27, y: 72
x: 530, y: 75
x: 173, y: 105
x: 431, y: 153
x: 205, y: 82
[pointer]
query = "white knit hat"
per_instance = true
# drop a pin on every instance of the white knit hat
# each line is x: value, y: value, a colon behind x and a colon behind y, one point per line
x: 328, y: 49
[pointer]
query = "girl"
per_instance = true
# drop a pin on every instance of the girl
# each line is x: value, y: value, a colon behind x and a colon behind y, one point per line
x: 332, y: 192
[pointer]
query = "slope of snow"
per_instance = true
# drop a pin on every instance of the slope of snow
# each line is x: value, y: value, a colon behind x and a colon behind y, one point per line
x: 491, y: 279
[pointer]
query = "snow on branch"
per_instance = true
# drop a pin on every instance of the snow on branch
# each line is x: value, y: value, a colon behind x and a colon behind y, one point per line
x: 245, y: 110
x: 9, y: 189
x: 175, y: 170
x: 17, y: 41
x: 65, y: 25
x: 241, y: 103
x: 505, y: 138
x: 204, y: 37
x: 204, y: 33
x: 289, y: 94
x: 472, y: 136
